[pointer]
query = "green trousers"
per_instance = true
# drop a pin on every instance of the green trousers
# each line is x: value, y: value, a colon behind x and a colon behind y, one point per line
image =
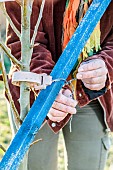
x: 86, y: 145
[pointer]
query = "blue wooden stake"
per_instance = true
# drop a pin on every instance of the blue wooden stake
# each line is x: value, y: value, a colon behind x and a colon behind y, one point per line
x: 41, y: 106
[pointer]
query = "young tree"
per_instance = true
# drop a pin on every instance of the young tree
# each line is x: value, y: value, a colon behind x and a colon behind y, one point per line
x: 27, y: 45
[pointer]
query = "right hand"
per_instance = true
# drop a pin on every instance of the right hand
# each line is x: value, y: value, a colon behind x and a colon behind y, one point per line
x: 63, y: 105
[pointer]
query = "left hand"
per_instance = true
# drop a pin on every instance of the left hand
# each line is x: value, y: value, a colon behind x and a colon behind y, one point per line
x: 62, y: 105
x: 93, y: 74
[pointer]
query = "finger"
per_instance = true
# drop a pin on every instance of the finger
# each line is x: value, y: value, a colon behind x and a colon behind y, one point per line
x: 65, y: 100
x: 94, y: 86
x: 54, y: 118
x: 91, y: 65
x: 97, y: 80
x: 90, y: 74
x: 57, y: 113
x: 63, y: 108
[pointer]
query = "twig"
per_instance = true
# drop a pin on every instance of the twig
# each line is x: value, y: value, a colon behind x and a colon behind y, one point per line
x: 19, y: 2
x: 2, y: 6
x: 31, y: 4
x: 37, y: 24
x: 2, y: 148
x: 18, y: 121
x: 36, y: 141
x: 8, y: 53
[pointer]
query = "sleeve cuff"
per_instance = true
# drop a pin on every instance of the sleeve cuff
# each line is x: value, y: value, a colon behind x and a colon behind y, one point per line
x: 56, y: 126
x: 93, y: 94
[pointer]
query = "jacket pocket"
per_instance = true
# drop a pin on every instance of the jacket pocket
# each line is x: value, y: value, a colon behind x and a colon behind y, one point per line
x: 105, y: 146
x: 106, y: 142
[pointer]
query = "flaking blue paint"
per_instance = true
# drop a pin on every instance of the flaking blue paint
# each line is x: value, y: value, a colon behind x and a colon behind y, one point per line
x: 41, y: 106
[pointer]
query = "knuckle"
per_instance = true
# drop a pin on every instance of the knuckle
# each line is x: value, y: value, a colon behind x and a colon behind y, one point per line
x: 95, y: 73
x: 85, y: 76
x: 67, y: 101
x: 66, y: 109
x: 92, y: 81
x: 93, y: 64
x: 89, y: 75
x: 98, y: 80
x: 53, y: 114
x: 86, y: 66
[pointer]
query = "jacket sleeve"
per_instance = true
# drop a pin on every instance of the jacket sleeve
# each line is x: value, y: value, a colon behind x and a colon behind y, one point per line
x: 84, y: 95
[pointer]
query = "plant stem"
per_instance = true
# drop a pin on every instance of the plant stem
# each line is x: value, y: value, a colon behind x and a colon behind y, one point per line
x: 2, y: 6
x: 8, y: 53
x: 2, y: 148
x: 26, y: 54
x: 4, y: 75
x: 38, y: 23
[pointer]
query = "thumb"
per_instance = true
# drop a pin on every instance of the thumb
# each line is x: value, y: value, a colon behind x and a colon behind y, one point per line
x: 67, y: 93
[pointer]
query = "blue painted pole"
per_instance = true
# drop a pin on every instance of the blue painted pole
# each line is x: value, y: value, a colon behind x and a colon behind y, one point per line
x: 41, y: 106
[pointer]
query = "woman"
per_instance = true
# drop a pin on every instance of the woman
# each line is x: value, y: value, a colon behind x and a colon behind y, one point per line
x: 86, y: 134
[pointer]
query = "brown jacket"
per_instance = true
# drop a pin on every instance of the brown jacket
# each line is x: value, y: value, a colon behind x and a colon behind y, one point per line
x: 47, y: 53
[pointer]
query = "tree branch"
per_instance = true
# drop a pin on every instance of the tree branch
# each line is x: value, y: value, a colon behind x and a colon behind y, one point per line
x: 2, y: 6
x: 8, y: 53
x: 2, y: 148
x: 4, y: 75
x: 35, y: 142
x: 19, y: 2
x: 37, y: 24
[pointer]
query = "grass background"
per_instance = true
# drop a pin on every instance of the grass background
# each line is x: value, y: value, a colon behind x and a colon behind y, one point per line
x: 5, y: 135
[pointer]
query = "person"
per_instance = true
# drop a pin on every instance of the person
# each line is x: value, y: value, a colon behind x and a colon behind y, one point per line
x: 86, y: 133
